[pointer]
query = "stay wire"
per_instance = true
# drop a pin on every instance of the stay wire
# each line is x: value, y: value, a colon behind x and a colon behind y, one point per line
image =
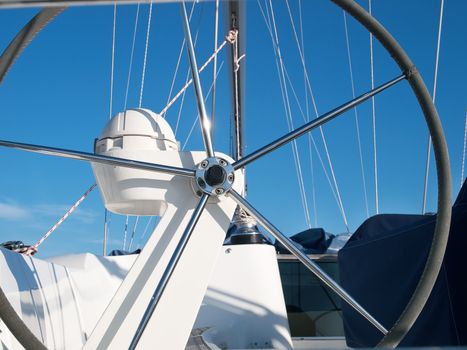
x: 312, y: 142
x: 373, y: 113
x: 435, y: 83
x: 328, y: 155
x: 288, y: 113
x: 125, y: 232
x: 214, y: 73
x: 357, y: 126
x: 145, y: 231
x: 307, y: 109
x: 267, y: 21
x: 195, y: 122
x: 107, y: 214
x: 133, y: 233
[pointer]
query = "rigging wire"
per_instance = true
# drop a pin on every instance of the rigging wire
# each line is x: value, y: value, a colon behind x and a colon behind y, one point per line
x: 145, y: 55
x: 148, y: 31
x: 328, y: 155
x: 125, y: 232
x: 288, y: 113
x: 373, y: 113
x: 182, y: 92
x: 195, y: 122
x: 107, y: 214
x: 214, y: 73
x: 126, y: 94
x: 335, y: 187
x: 144, y: 232
x: 313, y: 191
x: 267, y: 21
x: 312, y: 140
x: 188, y: 81
x: 281, y: 68
x: 133, y: 233
x: 178, y: 61
x: 435, y: 83
x: 463, y: 152
x: 357, y: 126
x: 107, y: 219
x: 307, y: 109
x: 182, y: 102
x: 131, y: 57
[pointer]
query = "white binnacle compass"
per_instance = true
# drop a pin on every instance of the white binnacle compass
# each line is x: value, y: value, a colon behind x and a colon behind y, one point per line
x: 142, y: 135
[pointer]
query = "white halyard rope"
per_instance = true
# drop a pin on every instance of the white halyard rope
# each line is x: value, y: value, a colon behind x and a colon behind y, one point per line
x: 33, y: 249
x: 135, y: 29
x: 435, y: 83
x: 130, y: 66
x: 177, y: 66
x: 229, y: 39
x: 148, y: 31
x: 182, y: 102
x: 112, y: 65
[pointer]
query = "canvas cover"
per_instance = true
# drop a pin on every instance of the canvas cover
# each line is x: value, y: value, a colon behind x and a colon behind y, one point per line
x: 311, y: 241
x: 380, y: 266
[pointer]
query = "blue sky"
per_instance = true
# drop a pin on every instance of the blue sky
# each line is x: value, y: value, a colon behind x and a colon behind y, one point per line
x: 57, y: 94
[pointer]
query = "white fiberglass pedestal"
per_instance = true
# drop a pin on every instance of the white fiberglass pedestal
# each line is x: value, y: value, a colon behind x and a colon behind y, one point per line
x: 244, y: 306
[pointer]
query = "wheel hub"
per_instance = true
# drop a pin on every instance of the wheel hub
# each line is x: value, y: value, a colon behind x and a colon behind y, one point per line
x: 214, y: 176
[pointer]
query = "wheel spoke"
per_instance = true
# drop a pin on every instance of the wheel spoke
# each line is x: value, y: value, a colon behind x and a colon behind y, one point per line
x: 203, y: 117
x: 169, y: 270
x: 314, y: 124
x: 98, y: 158
x: 305, y: 260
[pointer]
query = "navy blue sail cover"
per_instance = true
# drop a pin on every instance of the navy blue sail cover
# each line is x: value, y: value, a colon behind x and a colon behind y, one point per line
x: 380, y: 266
